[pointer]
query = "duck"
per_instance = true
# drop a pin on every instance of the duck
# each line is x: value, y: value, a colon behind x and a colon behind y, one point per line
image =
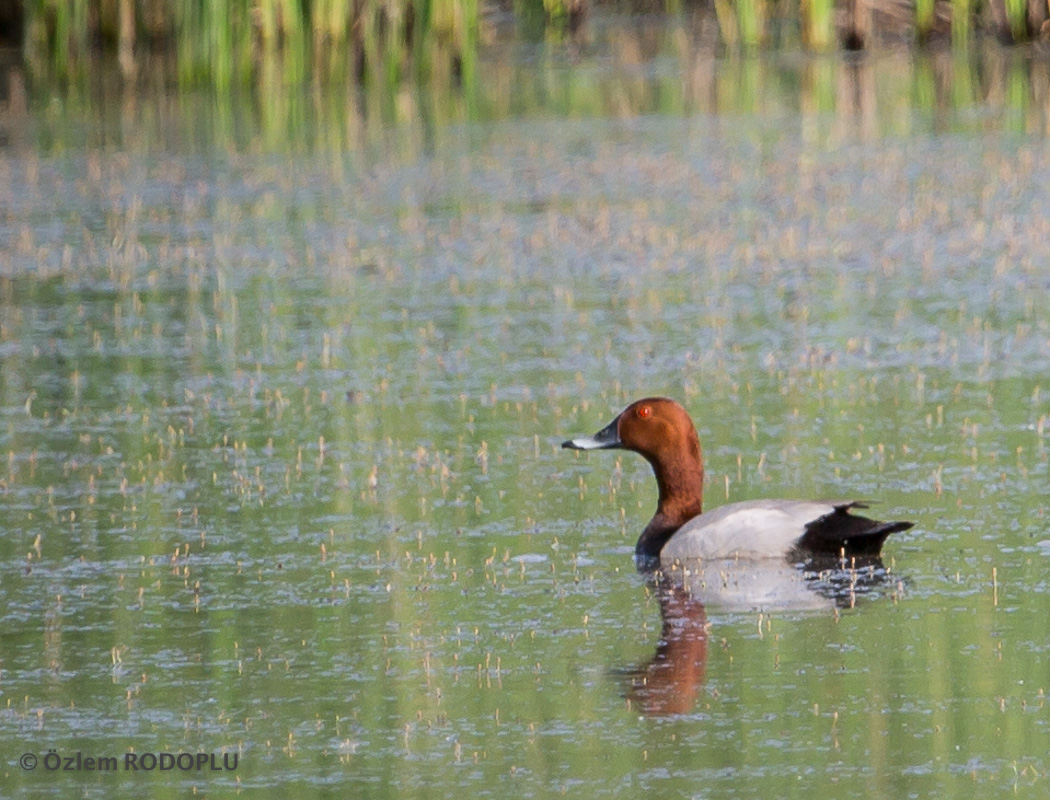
x: 798, y: 531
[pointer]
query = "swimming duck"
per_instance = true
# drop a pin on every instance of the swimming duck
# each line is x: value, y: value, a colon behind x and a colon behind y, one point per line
x: 661, y: 431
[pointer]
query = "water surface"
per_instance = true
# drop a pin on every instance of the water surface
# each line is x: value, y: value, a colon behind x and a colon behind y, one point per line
x: 283, y: 388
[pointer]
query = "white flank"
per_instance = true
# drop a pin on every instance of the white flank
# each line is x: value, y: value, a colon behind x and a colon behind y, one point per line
x: 750, y: 530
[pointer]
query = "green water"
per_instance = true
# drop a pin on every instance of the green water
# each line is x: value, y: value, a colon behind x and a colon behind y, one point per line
x: 282, y: 390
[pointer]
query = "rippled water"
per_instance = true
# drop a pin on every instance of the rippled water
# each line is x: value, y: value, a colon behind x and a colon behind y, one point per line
x: 282, y: 470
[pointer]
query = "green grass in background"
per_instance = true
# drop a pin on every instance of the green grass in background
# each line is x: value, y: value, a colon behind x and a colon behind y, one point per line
x: 231, y: 41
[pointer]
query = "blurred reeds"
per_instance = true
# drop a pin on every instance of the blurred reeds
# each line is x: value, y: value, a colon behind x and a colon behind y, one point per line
x: 229, y: 41
x: 225, y: 42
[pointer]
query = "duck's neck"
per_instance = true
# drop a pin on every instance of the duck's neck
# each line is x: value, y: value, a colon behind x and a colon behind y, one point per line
x: 681, y: 482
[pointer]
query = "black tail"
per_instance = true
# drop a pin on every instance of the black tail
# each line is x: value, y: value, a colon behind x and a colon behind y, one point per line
x: 842, y: 533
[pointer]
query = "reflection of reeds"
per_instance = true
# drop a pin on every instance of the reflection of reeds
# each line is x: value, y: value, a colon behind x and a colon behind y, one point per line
x: 840, y: 99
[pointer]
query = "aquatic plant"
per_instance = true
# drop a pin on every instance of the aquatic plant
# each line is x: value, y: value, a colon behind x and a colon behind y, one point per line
x: 226, y: 42
x: 819, y: 24
x: 924, y: 19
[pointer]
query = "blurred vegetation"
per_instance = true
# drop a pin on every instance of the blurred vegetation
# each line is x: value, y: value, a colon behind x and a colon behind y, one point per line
x: 231, y: 41
x: 226, y: 42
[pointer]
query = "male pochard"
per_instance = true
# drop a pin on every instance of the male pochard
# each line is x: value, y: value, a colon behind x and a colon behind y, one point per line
x: 797, y: 530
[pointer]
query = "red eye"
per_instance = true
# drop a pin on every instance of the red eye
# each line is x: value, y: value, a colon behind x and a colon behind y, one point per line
x: 645, y: 412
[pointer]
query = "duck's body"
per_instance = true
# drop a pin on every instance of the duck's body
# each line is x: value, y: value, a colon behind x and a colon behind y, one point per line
x: 774, y: 528
x: 797, y: 530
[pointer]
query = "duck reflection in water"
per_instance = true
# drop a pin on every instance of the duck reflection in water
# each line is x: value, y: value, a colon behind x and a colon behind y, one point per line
x: 670, y: 681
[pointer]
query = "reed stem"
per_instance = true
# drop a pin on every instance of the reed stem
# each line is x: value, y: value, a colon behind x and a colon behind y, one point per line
x: 818, y: 23
x: 223, y: 42
x: 924, y: 18
x: 962, y: 19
